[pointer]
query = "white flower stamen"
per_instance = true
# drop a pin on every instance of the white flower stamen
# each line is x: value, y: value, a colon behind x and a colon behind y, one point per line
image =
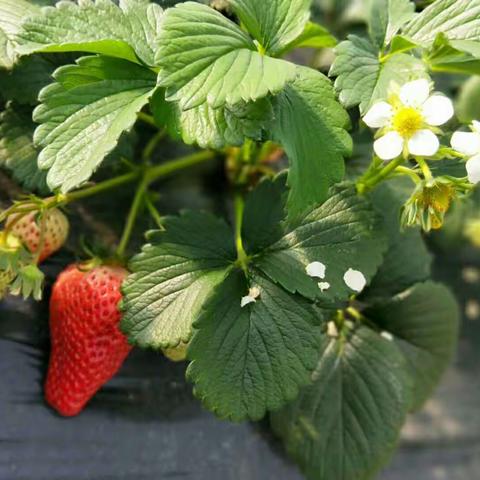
x: 355, y: 280
x: 408, y: 121
x: 316, y: 270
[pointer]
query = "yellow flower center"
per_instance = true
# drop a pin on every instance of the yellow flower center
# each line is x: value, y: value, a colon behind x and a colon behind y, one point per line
x: 407, y: 121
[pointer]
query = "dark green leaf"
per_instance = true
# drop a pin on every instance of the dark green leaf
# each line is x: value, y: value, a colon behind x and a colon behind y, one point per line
x: 128, y: 31
x: 204, y: 57
x: 424, y: 324
x: 274, y: 24
x: 311, y: 125
x: 362, y: 79
x: 342, y: 233
x: 84, y: 113
x: 172, y: 277
x: 248, y: 360
x: 17, y: 152
x: 468, y: 101
x: 346, y: 425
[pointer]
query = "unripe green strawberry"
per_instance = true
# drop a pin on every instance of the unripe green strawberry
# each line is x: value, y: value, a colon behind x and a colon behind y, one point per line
x: 28, y: 230
x: 87, y: 345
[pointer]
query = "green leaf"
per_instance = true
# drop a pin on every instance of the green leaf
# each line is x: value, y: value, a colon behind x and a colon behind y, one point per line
x: 424, y: 324
x: 274, y: 24
x: 248, y: 360
x: 311, y: 126
x: 454, y: 56
x: 347, y: 424
x: 457, y: 19
x: 468, y: 101
x: 407, y: 260
x: 28, y: 282
x: 213, y: 128
x: 128, y: 31
x: 342, y: 233
x: 204, y: 57
x: 24, y: 82
x: 172, y: 277
x: 387, y: 17
x: 12, y: 12
x: 84, y: 113
x: 17, y: 152
x: 313, y: 36
x: 362, y: 79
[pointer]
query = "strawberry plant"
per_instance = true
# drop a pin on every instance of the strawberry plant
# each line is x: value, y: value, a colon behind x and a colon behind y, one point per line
x: 307, y: 297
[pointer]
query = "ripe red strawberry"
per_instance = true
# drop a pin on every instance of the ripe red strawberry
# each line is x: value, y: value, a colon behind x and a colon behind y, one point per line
x: 87, y: 345
x: 28, y: 230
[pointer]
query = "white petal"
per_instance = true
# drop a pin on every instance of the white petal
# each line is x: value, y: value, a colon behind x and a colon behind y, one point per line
x: 467, y: 143
x: 387, y: 336
x: 379, y: 115
x: 332, y: 329
x: 424, y: 143
x: 323, y: 286
x: 476, y: 126
x: 389, y: 146
x: 355, y: 280
x: 415, y: 93
x: 473, y: 169
x: 316, y: 269
x: 246, y: 300
x: 438, y: 110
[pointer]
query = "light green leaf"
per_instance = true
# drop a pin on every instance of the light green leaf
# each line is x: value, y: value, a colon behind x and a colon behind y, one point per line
x: 129, y: 30
x: 362, y: 79
x: 346, y: 425
x: 407, y: 260
x: 274, y: 24
x: 84, y: 113
x: 311, y: 126
x: 454, y: 56
x: 457, y: 19
x: 205, y: 57
x: 387, y: 17
x: 424, y: 324
x: 17, y: 153
x: 213, y: 128
x: 172, y: 277
x: 248, y: 360
x: 313, y: 36
x: 468, y: 102
x: 12, y: 12
x: 342, y: 233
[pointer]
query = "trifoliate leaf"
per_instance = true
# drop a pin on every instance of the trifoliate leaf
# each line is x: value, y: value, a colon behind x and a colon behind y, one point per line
x: 12, y: 12
x: 84, y: 113
x: 213, y: 128
x: 313, y: 36
x: 129, y: 30
x: 457, y: 19
x: 407, y: 260
x: 362, y: 78
x: 347, y: 424
x: 311, y: 126
x: 247, y: 360
x: 274, y: 24
x: 172, y: 277
x: 205, y: 57
x: 424, y: 324
x: 387, y: 17
x: 17, y: 152
x: 23, y: 83
x: 343, y: 233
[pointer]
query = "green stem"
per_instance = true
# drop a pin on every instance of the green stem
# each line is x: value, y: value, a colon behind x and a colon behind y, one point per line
x: 425, y: 168
x: 152, y: 144
x: 146, y: 118
x: 367, y: 184
x: 132, y: 216
x: 411, y: 173
x: 154, y: 212
x: 239, y: 206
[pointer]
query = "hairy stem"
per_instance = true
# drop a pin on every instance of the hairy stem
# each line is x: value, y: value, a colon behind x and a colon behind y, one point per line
x: 239, y: 206
x: 365, y: 184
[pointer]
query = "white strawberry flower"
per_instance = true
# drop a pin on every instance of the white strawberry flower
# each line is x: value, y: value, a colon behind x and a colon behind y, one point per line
x: 468, y: 143
x: 409, y: 120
